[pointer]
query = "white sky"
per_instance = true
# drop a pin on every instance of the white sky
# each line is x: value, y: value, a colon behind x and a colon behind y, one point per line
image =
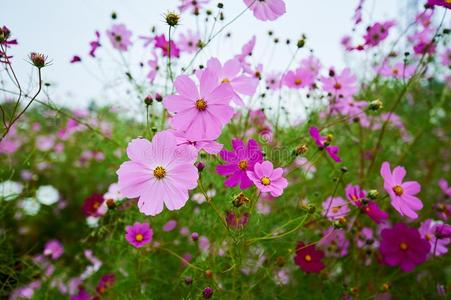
x: 62, y: 28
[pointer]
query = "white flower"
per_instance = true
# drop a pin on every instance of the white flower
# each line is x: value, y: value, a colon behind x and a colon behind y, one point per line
x: 47, y: 195
x: 30, y: 206
x: 113, y: 193
x: 92, y: 222
x: 9, y: 190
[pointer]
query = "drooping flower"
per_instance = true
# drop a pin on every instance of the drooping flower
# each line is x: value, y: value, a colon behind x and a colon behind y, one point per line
x: 75, y: 59
x: 403, y: 246
x: 308, y: 258
x: 428, y: 231
x: 402, y: 194
x: 323, y: 142
x: 138, y: 234
x: 343, y: 84
x: 94, y: 206
x: 94, y: 45
x: 266, y: 10
x: 268, y: 179
x: 299, y: 78
x: 200, y: 112
x: 168, y: 48
x: 242, y: 159
x: 54, y: 249
x: 189, y: 42
x: 159, y: 172
x: 120, y: 37
x: 357, y: 196
x: 377, y: 33
x: 335, y: 208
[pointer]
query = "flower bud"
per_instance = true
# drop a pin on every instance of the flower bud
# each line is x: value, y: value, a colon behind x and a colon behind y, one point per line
x: 301, y: 149
x: 110, y: 204
x: 240, y: 200
x: 38, y: 60
x: 194, y: 236
x: 207, y: 293
x: 148, y: 100
x: 200, y: 166
x: 209, y: 274
x: 373, y: 194
x: 158, y: 97
x: 188, y: 280
x: 375, y: 105
x: 172, y: 19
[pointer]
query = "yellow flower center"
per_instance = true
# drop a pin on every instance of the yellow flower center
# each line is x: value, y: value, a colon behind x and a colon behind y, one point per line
x: 242, y: 165
x: 403, y: 246
x: 201, y: 104
x: 307, y: 258
x: 298, y: 81
x: 225, y: 80
x: 335, y: 209
x: 139, y: 237
x: 337, y: 86
x: 395, y: 71
x: 428, y: 237
x: 265, y: 180
x: 159, y: 172
x: 397, y: 189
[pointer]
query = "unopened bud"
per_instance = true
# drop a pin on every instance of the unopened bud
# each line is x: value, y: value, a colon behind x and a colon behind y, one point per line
x: 207, y: 293
x: 110, y: 204
x: 375, y: 105
x: 38, y: 60
x: 373, y: 194
x: 172, y: 19
x: 148, y: 100
x: 240, y: 200
x: 158, y: 97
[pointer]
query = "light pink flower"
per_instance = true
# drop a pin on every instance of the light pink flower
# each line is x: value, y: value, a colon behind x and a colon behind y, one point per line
x: 399, y: 70
x: 268, y: 179
x: 120, y: 37
x: 335, y: 208
x: 189, y: 42
x: 266, y: 10
x: 299, y: 78
x: 159, y: 172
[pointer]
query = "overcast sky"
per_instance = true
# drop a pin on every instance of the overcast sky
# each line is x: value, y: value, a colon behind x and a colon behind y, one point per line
x: 62, y: 28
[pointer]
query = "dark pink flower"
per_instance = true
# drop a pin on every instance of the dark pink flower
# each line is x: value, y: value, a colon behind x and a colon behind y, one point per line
x: 93, y: 205
x: 308, y: 258
x: 235, y: 220
x: 242, y: 159
x: 105, y: 283
x: 377, y: 33
x: 402, y: 194
x: 444, y: 3
x: 267, y: 179
x: 54, y: 249
x: 138, y: 234
x: 323, y: 142
x: 266, y: 10
x: 94, y: 45
x: 403, y: 246
x: 168, y: 48
x: 357, y: 196
x: 120, y: 37
x: 75, y: 59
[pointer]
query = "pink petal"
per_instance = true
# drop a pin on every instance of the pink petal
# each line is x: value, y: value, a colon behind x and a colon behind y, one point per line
x: 398, y: 174
x: 177, y: 103
x: 186, y: 87
x: 140, y: 150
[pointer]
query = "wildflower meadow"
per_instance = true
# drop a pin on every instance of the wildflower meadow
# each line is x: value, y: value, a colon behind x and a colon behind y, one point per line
x: 226, y: 174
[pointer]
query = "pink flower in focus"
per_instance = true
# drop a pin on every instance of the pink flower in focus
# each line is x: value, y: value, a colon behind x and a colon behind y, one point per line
x: 189, y: 42
x: 242, y: 159
x: 402, y: 194
x: 403, y: 246
x: 200, y: 112
x: 120, y: 37
x: 299, y: 78
x: 268, y: 179
x: 266, y: 9
x: 168, y: 48
x: 159, y: 172
x: 335, y: 208
x: 428, y: 231
x: 54, y: 249
x: 324, y: 143
x: 138, y: 234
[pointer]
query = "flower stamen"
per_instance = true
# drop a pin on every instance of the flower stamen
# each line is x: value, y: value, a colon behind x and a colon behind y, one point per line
x: 201, y: 104
x: 159, y: 172
x: 265, y: 181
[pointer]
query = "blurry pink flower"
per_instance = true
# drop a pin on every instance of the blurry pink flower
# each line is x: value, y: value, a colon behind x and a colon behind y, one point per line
x: 189, y: 42
x: 403, y: 246
x: 159, y: 172
x: 235, y: 220
x: 93, y: 206
x: 45, y: 143
x: 54, y: 249
x: 402, y: 194
x: 209, y: 146
x: 200, y: 112
x: 343, y: 84
x: 268, y: 179
x: 377, y: 33
x: 120, y: 37
x: 334, y: 242
x: 335, y: 208
x: 357, y: 196
x: 365, y: 238
x: 94, y: 45
x: 153, y: 64
x: 443, y: 184
x: 105, y: 283
x: 247, y: 49
x: 168, y: 48
x: 399, y: 70
x: 308, y: 258
x: 324, y: 143
x: 299, y: 78
x: 428, y: 231
x: 138, y: 234
x: 170, y: 225
x: 273, y: 81
x: 194, y: 5
x: 445, y: 57
x: 349, y: 107
x: 266, y: 10
x: 204, y: 244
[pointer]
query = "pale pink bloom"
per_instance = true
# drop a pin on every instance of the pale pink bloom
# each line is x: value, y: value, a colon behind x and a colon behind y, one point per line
x: 159, y: 172
x: 45, y: 143
x: 247, y: 49
x: 299, y: 78
x: 189, y: 42
x: 120, y: 37
x: 445, y: 57
x: 399, y: 70
x: 266, y: 10
x: 446, y: 189
x: 343, y: 84
x: 54, y: 249
x: 202, y: 112
x: 335, y: 208
x: 334, y: 242
x: 428, y: 231
x: 273, y: 81
x: 153, y: 64
x: 268, y: 179
x: 311, y: 63
x: 114, y: 193
x: 195, y: 6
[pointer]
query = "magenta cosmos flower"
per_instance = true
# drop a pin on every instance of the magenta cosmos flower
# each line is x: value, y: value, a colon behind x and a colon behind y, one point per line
x: 428, y: 231
x: 239, y: 161
x: 168, y: 48
x: 139, y: 234
x: 299, y: 78
x: 200, y: 113
x: 323, y: 142
x: 357, y: 196
x: 266, y: 10
x: 444, y: 3
x: 403, y: 246
x: 119, y: 37
x: 377, y: 33
x: 159, y: 172
x: 308, y: 258
x: 402, y: 194
x: 267, y: 179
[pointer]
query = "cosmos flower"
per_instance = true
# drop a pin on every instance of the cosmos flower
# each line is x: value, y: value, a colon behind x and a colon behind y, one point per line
x: 403, y: 246
x: 273, y: 81
x: 443, y: 3
x: 54, y: 249
x: 159, y: 173
x: 105, y: 283
x: 242, y: 159
x: 299, y: 78
x: 357, y: 196
x: 47, y: 195
x: 195, y: 6
x: 94, y: 206
x: 168, y: 48
x: 209, y: 146
x: 94, y: 45
x: 402, y: 194
x: 334, y: 242
x: 324, y: 143
x: 377, y: 32
x: 120, y: 37
x: 428, y: 231
x: 446, y: 189
x: 343, y: 84
x: 308, y: 258
x: 200, y: 112
x: 266, y: 10
x: 399, y: 70
x: 189, y: 42
x: 335, y: 208
x: 268, y: 179
x: 138, y: 234
x: 246, y: 50
x: 153, y: 64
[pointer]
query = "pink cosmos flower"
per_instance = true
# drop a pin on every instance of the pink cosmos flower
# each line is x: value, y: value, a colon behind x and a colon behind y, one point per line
x: 347, y: 106
x: 402, y: 194
x: 195, y: 6
x: 54, y: 249
x: 308, y: 258
x: 365, y: 237
x: 266, y: 9
x: 444, y: 3
x: 299, y: 78
x: 153, y: 64
x: 324, y: 143
x: 335, y: 208
x: 268, y: 179
x: 334, y: 242
x: 235, y: 220
x: 273, y: 81
x: 357, y: 196
x: 105, y: 283
x: 312, y: 64
x: 377, y: 33
x: 81, y: 295
x: 229, y: 74
x: 200, y: 113
x: 189, y: 42
x: 209, y: 146
x: 443, y: 184
x: 120, y: 37
x: 399, y: 70
x: 94, y: 45
x: 247, y: 49
x: 139, y: 234
x: 403, y: 246
x: 168, y: 48
x: 343, y: 84
x: 93, y: 206
x: 242, y: 159
x: 159, y: 172
x: 428, y: 231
